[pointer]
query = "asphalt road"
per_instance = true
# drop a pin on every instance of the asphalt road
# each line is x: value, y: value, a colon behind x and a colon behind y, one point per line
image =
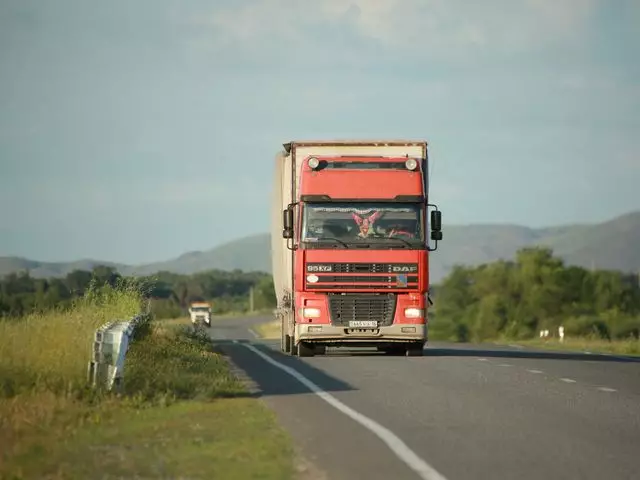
x: 459, y: 412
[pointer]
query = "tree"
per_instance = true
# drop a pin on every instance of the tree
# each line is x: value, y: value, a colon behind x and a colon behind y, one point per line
x: 516, y: 299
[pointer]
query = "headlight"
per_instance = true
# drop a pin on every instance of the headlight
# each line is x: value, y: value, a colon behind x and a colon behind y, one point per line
x: 411, y: 164
x: 313, y: 163
x: 413, y: 312
x: 309, y: 312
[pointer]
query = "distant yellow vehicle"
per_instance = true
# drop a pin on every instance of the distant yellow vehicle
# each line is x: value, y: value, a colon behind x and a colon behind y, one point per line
x: 200, y: 311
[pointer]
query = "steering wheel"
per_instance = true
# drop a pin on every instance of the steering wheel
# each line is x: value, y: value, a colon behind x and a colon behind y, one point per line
x: 396, y: 232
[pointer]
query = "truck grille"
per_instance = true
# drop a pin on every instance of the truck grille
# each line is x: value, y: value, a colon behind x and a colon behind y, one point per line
x: 363, y: 276
x: 352, y: 306
x: 406, y: 268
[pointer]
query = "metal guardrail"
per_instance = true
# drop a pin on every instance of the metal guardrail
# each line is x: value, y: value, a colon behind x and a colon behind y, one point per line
x: 110, y: 346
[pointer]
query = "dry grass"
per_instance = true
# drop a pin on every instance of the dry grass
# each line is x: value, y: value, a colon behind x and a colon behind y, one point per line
x: 595, y: 345
x: 255, y: 313
x: 50, y: 351
x: 269, y: 330
x: 172, y: 322
x: 43, y: 367
x: 172, y: 422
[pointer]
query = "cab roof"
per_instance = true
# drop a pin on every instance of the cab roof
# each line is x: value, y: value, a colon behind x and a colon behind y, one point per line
x: 335, y: 143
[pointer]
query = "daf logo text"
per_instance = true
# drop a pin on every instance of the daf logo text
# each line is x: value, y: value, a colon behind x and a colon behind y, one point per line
x: 404, y: 268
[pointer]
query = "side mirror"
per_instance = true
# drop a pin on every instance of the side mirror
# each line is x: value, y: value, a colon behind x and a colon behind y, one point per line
x: 287, y: 223
x: 436, y: 222
x: 436, y: 227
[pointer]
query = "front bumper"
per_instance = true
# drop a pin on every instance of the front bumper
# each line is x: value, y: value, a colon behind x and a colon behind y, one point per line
x: 206, y: 320
x: 331, y: 334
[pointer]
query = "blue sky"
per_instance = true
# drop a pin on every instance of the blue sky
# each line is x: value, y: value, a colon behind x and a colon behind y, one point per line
x: 134, y: 131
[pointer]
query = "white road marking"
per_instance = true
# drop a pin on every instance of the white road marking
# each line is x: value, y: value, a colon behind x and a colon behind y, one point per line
x: 607, y: 389
x: 252, y: 332
x: 220, y: 335
x: 568, y: 380
x: 395, y: 444
x: 504, y: 365
x: 534, y: 371
x: 482, y: 359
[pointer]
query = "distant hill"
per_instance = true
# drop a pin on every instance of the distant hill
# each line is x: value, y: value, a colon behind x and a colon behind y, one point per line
x: 248, y: 253
x: 610, y: 245
x: 614, y: 244
x: 50, y: 269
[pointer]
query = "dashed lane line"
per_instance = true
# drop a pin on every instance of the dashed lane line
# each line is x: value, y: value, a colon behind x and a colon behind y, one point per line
x: 538, y: 372
x: 607, y: 389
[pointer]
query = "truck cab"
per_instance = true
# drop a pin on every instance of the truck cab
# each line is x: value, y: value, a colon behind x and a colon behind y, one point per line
x: 351, y: 250
x: 200, y: 312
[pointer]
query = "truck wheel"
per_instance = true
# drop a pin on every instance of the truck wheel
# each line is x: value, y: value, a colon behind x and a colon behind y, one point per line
x: 414, y: 351
x: 394, y: 350
x: 320, y: 350
x: 305, y: 350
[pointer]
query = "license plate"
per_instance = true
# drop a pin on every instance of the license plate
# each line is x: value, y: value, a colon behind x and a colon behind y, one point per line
x: 363, y: 323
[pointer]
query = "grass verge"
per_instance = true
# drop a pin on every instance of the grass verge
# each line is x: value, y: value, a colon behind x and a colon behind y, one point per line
x: 617, y: 347
x: 182, y: 415
x: 268, y: 330
x: 50, y: 351
x: 255, y: 313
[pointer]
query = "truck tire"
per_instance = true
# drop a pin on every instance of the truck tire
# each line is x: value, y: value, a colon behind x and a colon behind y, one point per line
x: 414, y: 350
x: 395, y: 350
x: 305, y: 350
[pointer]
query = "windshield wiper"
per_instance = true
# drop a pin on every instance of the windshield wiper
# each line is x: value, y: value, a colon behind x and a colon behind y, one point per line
x: 406, y: 242
x: 333, y: 239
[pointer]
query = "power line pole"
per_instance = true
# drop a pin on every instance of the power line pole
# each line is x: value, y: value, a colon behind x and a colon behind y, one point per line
x: 251, y: 299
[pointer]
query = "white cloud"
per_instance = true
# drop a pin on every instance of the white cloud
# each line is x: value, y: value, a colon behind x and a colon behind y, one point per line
x: 430, y: 27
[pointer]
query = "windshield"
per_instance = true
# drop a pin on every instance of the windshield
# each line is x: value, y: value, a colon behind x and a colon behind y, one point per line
x: 199, y: 309
x: 344, y: 223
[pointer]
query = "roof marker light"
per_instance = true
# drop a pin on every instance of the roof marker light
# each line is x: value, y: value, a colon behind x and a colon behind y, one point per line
x: 411, y: 164
x: 313, y: 163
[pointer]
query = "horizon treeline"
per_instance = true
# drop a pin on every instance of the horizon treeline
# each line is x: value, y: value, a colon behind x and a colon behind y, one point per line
x: 169, y: 293
x: 504, y: 299
x: 536, y: 291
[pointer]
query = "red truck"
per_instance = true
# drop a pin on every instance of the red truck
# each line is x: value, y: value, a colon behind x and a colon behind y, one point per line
x: 350, y: 253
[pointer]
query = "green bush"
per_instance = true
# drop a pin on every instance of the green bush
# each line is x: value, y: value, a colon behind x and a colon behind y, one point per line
x: 536, y: 291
